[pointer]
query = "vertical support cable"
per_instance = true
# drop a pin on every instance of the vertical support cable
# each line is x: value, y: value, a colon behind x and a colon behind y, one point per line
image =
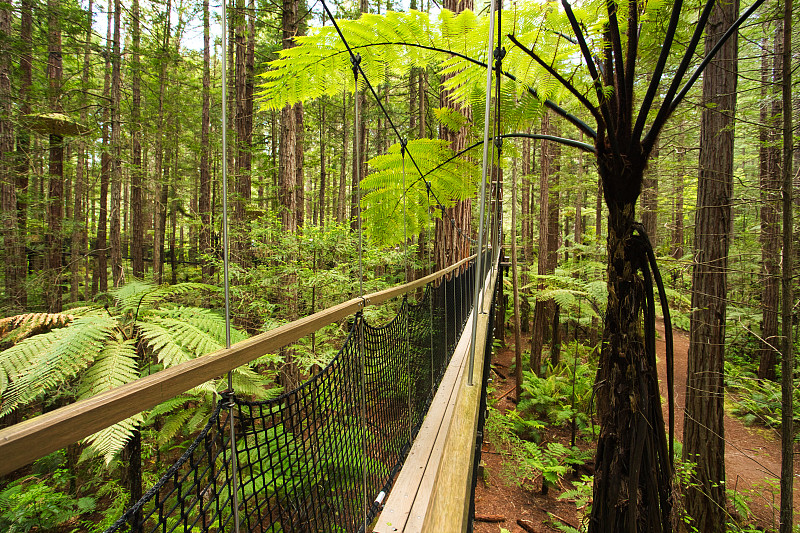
x: 355, y: 60
x: 483, y: 194
x: 225, y: 260
x: 403, y: 148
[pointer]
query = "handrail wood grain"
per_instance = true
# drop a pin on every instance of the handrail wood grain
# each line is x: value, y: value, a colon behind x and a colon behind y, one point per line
x: 31, y: 439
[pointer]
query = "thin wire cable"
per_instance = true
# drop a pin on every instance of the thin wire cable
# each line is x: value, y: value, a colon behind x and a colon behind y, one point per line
x: 355, y: 59
x: 405, y: 296
x: 479, y: 272
x: 225, y: 275
x: 357, y: 175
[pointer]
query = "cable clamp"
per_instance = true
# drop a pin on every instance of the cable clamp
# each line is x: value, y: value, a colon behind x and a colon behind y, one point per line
x: 498, y: 142
x: 404, y: 148
x: 355, y: 60
x: 499, y: 53
x: 227, y: 398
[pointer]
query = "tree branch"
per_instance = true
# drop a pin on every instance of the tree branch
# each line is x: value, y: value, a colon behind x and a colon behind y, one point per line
x: 663, y: 113
x: 558, y: 110
x: 644, y: 110
x: 616, y: 44
x: 706, y: 60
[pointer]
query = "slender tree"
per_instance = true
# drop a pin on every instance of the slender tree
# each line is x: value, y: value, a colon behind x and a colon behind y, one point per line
x: 137, y: 201
x: 204, y: 201
x: 55, y: 206
x: 117, y: 272
x: 8, y: 193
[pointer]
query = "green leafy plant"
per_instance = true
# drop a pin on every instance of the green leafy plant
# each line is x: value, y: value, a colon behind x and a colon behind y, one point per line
x: 94, y: 349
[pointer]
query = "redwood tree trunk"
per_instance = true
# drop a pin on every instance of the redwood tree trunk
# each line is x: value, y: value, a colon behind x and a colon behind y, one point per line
x: 116, y: 169
x: 204, y: 201
x: 769, y: 177
x: 137, y: 207
x: 54, y: 237
x: 704, y: 432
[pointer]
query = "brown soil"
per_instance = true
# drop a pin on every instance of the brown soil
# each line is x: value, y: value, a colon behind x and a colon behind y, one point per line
x: 752, y: 460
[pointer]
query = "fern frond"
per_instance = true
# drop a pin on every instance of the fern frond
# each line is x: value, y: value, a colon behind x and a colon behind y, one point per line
x: 15, y: 328
x: 383, y: 198
x: 114, y: 366
x: 39, y: 363
x: 109, y: 442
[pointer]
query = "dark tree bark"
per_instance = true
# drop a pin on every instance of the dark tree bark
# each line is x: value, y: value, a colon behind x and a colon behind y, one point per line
x: 137, y: 204
x: 547, y: 258
x: 54, y: 237
x: 14, y: 276
x: 704, y: 432
x: 787, y: 355
x: 79, y: 235
x: 20, y: 294
x: 770, y: 182
x: 204, y: 200
x: 116, y: 147
x: 161, y: 174
x: 290, y: 199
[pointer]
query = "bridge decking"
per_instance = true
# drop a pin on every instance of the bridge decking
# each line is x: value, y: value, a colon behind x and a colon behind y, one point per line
x: 433, y: 490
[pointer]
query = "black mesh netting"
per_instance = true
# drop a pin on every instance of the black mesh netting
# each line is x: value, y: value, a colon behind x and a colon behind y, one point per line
x: 317, y: 458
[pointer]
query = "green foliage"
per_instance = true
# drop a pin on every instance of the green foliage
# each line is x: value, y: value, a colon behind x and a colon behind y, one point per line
x: 551, y: 396
x: 38, y: 501
x: 383, y: 200
x: 93, y: 350
x: 757, y: 400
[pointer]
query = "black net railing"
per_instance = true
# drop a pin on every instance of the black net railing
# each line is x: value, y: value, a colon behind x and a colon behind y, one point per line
x: 320, y: 458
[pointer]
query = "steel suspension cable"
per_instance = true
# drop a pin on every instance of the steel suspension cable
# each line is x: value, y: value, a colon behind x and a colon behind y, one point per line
x: 479, y: 272
x: 225, y: 275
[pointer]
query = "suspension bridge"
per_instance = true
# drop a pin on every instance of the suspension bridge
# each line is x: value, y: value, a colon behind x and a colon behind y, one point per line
x: 385, y: 438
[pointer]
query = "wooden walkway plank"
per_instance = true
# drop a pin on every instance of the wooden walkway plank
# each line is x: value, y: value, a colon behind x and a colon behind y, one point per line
x: 432, y: 491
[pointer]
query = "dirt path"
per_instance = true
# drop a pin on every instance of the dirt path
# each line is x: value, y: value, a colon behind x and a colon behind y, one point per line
x: 752, y: 454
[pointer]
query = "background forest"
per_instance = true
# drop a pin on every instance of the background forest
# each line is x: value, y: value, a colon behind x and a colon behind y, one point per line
x: 111, y: 176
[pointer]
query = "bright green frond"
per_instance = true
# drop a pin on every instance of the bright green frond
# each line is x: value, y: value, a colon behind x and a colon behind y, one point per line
x: 110, y: 441
x: 383, y: 188
x: 116, y: 365
x: 39, y: 363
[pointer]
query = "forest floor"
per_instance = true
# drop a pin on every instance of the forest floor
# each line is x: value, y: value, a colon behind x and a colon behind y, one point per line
x: 752, y: 460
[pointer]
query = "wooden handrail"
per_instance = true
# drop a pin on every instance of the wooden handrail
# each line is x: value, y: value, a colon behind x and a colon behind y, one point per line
x: 31, y: 439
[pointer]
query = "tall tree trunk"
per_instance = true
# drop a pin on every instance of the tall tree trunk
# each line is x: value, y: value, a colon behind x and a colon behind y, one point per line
x: 289, y: 200
x: 54, y: 237
x: 322, y: 163
x: 787, y: 355
x: 8, y: 194
x: 449, y: 246
x: 300, y: 180
x: 548, y: 237
x: 204, y: 200
x: 78, y: 234
x: 769, y: 181
x: 161, y: 181
x: 20, y: 294
x: 100, y: 277
x: 116, y: 146
x: 137, y: 204
x: 340, y: 204
x: 515, y: 284
x: 704, y: 432
x: 677, y: 231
